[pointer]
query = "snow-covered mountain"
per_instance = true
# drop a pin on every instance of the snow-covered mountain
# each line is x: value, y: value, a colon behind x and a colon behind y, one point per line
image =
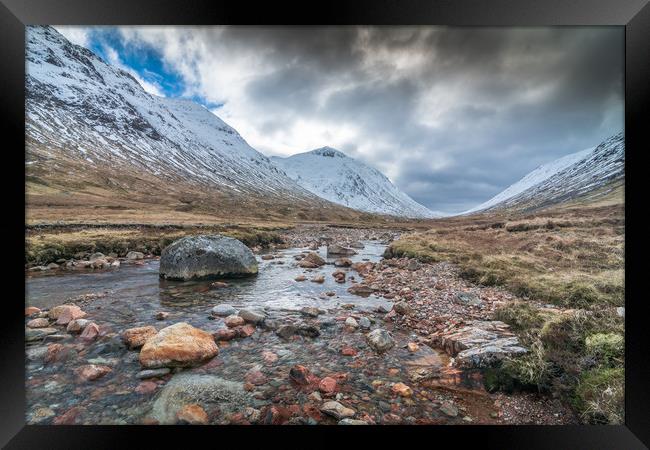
x: 332, y: 175
x: 84, y: 117
x: 572, y: 176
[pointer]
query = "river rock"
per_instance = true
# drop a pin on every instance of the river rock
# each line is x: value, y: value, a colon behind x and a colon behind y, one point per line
x: 90, y: 332
x: 77, y: 325
x: 357, y: 244
x: 96, y: 256
x: 337, y: 410
x: 252, y: 316
x: 402, y: 390
x: 233, y: 321
x: 286, y: 331
x: 314, y: 259
x: 178, y: 345
x: 311, y: 311
x: 300, y: 278
x: 348, y: 421
x: 134, y: 255
x: 364, y: 322
x: 192, y: 415
x: 449, y: 409
x: 31, y: 311
x: 225, y: 334
x: 36, y: 334
x: 63, y: 314
x: 335, y: 249
x: 402, y: 308
x: 351, y: 322
x: 380, y: 340
x: 208, y: 390
x: 361, y: 289
x: 136, y: 337
x: 318, y: 279
x: 206, y: 256
x: 153, y: 373
x: 38, y: 323
x: 327, y: 385
x: 223, y: 310
x: 91, y: 372
x: 343, y: 262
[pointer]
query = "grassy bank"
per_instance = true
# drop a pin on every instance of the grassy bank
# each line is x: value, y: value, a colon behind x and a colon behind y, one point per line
x: 49, y: 244
x: 570, y: 257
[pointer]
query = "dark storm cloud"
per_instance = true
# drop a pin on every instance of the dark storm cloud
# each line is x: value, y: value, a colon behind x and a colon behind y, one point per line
x: 452, y: 115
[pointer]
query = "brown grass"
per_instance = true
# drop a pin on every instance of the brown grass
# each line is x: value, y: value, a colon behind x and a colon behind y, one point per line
x: 570, y: 257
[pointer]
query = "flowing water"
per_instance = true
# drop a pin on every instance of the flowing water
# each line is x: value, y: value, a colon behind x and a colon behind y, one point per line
x: 131, y: 296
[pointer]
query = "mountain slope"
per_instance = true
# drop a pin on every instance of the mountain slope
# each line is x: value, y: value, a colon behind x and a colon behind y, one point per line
x: 93, y: 130
x: 332, y: 175
x: 592, y: 172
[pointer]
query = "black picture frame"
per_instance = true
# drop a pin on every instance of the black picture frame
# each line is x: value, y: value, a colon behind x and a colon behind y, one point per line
x: 634, y: 15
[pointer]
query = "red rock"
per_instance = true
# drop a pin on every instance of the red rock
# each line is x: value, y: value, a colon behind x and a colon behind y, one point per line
x: 233, y: 321
x: 31, y: 310
x: 219, y: 284
x: 90, y: 333
x: 301, y: 375
x: 275, y: 415
x: 225, y: 334
x: 178, y: 345
x: 294, y: 409
x: 313, y: 412
x: 146, y: 387
x: 149, y: 421
x: 348, y: 351
x: 192, y: 414
x: 65, y: 313
x: 246, y: 331
x: 327, y: 385
x: 402, y: 390
x: 136, y: 337
x: 55, y: 353
x: 91, y: 372
x: 413, y: 347
x: 269, y: 357
x: 70, y: 417
x: 391, y: 419
x: 256, y: 377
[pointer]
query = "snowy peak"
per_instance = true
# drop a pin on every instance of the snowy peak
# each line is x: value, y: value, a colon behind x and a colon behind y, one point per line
x: 84, y: 111
x: 566, y: 178
x: 334, y: 176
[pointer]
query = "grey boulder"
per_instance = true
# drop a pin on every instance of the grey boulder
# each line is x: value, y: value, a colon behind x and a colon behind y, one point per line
x: 205, y: 257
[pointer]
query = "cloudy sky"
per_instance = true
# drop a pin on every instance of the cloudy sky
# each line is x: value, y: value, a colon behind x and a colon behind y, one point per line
x: 451, y: 115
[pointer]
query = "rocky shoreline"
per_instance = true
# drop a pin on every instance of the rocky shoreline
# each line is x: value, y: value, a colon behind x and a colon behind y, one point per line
x: 433, y: 309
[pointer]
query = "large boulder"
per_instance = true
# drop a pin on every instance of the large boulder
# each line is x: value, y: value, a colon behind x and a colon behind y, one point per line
x: 178, y: 345
x: 335, y: 249
x: 205, y: 257
x: 207, y: 390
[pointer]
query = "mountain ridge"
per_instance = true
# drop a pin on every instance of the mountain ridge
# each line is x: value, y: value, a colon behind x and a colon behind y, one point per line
x: 591, y: 172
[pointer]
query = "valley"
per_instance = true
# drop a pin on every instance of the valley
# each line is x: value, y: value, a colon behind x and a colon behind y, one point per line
x: 366, y: 306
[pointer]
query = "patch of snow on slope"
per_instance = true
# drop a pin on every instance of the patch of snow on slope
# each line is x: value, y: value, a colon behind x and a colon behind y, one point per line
x: 533, y: 178
x: 332, y: 175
